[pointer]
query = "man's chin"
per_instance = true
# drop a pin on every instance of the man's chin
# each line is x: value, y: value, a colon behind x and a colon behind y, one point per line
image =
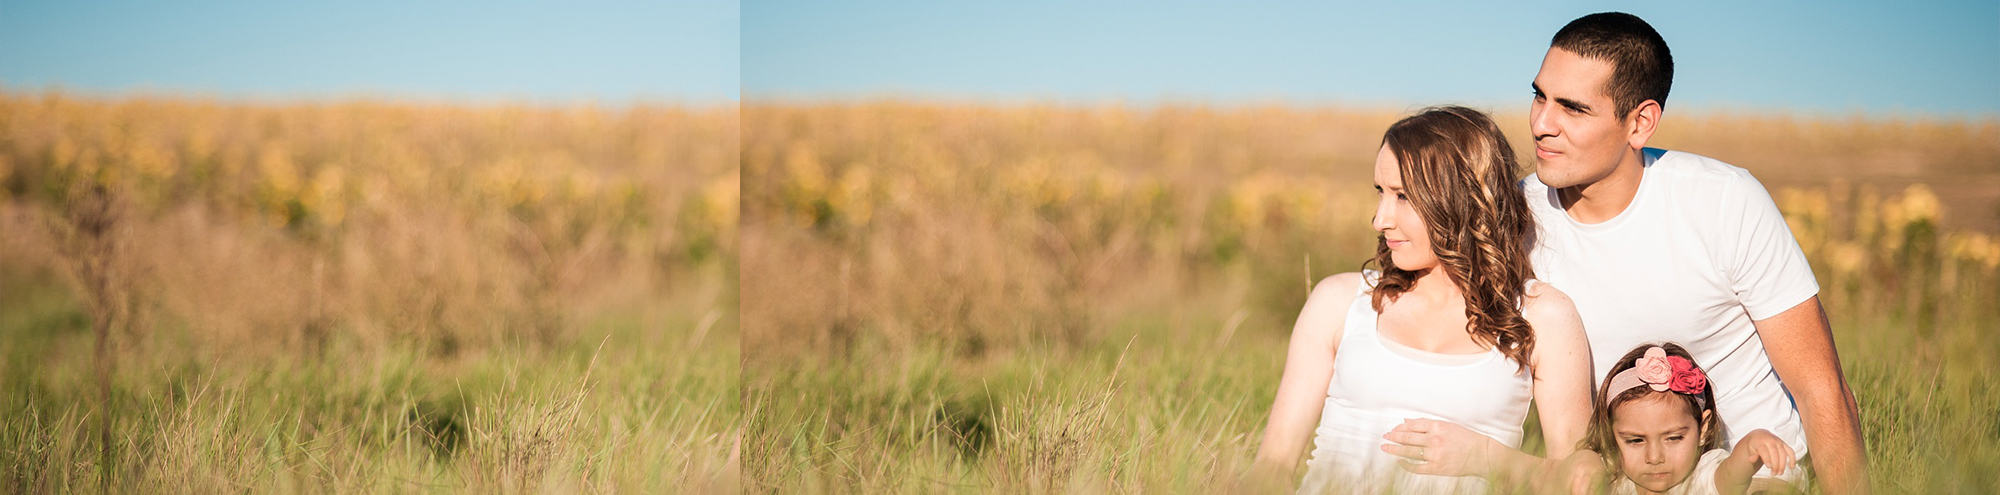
x: 1554, y: 181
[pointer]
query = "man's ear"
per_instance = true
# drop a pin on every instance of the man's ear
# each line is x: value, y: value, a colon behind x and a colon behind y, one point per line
x: 1640, y: 124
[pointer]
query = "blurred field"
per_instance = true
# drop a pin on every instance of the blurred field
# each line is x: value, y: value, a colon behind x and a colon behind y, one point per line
x: 366, y: 297
x: 1096, y: 299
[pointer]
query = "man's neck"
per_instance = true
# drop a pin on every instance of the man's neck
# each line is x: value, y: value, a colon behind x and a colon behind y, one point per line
x: 1603, y: 200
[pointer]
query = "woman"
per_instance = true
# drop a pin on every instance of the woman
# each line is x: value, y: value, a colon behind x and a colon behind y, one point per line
x: 1453, y: 327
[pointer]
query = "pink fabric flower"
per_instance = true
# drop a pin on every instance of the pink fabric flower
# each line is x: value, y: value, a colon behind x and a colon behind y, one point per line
x: 1687, y: 378
x: 1654, y: 369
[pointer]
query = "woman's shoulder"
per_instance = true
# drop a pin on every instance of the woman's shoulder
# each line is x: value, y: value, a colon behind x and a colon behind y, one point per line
x: 1341, y: 286
x: 1541, y: 297
x: 1324, y: 316
x: 1545, y: 306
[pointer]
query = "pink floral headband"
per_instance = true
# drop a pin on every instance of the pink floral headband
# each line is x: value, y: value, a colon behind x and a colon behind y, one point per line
x: 1660, y: 372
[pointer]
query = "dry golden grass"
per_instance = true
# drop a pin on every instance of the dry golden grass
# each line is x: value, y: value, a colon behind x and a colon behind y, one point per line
x: 366, y: 296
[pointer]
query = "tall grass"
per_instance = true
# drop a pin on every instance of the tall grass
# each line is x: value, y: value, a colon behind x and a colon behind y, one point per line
x: 365, y: 296
x: 938, y: 297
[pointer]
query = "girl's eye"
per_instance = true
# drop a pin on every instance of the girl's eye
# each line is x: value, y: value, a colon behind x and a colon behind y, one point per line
x: 1675, y: 438
x: 1633, y: 441
x: 1402, y: 197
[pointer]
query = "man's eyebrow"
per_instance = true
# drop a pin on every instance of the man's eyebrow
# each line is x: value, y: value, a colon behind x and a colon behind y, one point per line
x: 1566, y: 102
x: 1574, y: 105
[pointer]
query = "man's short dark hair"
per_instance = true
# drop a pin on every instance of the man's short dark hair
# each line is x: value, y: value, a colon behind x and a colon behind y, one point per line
x: 1641, y: 67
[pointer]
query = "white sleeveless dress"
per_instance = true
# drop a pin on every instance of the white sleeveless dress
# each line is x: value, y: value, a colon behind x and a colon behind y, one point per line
x: 1377, y: 383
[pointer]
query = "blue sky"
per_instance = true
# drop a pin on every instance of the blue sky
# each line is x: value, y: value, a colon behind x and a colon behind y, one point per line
x: 1823, y: 57
x: 1819, y: 57
x: 609, y: 51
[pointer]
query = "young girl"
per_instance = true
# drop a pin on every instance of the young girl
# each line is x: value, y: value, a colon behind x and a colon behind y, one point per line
x: 1658, y: 431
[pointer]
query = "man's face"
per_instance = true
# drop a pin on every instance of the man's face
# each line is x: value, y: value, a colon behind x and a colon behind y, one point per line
x: 1579, y: 136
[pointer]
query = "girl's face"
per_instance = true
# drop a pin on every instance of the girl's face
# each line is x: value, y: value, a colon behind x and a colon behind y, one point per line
x: 1408, y: 238
x: 1658, y: 440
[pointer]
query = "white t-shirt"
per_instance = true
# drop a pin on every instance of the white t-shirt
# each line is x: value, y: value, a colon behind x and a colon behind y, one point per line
x: 1699, y: 254
x: 1699, y: 482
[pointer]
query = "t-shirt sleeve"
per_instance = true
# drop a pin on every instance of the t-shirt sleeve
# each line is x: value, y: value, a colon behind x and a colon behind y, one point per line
x: 1766, y: 268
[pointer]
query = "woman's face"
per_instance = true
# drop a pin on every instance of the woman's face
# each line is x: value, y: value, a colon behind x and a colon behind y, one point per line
x: 1408, y: 238
x: 1658, y: 440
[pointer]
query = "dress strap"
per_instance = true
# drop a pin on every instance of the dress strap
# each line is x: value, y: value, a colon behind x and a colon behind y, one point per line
x: 1527, y: 287
x: 1361, y: 311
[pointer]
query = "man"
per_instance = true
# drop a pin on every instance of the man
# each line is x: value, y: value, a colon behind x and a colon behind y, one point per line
x: 1665, y: 246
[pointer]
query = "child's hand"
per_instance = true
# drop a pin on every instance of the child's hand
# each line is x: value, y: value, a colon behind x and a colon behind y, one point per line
x: 1738, y: 472
x: 1763, y: 448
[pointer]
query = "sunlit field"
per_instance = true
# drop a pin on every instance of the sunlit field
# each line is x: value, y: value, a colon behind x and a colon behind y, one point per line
x: 366, y: 297
x: 944, y: 298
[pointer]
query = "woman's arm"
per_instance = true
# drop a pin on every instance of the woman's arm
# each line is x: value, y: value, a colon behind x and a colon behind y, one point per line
x: 1562, y: 370
x: 1562, y: 390
x: 1308, y: 371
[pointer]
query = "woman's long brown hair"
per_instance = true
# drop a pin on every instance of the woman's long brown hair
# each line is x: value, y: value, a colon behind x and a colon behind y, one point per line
x: 1459, y: 173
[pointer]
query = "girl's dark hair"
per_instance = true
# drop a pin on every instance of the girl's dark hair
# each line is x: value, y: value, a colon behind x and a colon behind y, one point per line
x: 1601, y: 439
x: 1460, y: 173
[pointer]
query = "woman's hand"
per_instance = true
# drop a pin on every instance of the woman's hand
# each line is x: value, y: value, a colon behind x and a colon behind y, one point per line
x: 1430, y: 446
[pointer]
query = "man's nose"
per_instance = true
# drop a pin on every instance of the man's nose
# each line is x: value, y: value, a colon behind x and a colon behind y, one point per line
x: 1541, y: 123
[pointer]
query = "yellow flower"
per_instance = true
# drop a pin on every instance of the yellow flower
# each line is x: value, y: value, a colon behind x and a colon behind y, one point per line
x: 1975, y: 247
x: 274, y: 162
x: 1846, y: 258
x: 803, y: 166
x: 1920, y: 204
x: 64, y: 152
x: 723, y: 201
x: 1248, y: 199
x: 150, y: 160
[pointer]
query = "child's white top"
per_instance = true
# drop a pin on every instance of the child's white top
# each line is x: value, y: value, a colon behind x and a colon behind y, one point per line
x: 1699, y: 254
x: 1701, y: 482
x: 1377, y: 383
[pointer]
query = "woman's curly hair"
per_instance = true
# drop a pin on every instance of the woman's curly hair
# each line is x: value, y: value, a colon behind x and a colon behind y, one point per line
x: 1459, y: 173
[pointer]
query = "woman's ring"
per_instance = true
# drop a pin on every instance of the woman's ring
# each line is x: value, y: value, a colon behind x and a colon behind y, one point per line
x: 1420, y: 454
